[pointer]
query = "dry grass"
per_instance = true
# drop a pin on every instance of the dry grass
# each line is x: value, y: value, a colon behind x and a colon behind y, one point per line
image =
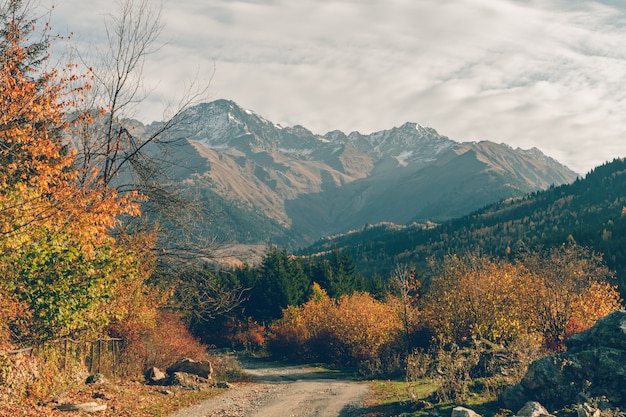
x: 34, y: 387
x: 128, y: 399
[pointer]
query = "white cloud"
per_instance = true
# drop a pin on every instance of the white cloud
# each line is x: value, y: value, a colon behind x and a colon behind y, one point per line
x: 544, y: 73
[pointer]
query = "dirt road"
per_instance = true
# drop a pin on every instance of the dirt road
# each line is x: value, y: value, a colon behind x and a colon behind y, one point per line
x: 283, y: 391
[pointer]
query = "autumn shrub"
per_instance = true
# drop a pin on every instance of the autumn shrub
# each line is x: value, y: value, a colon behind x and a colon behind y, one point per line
x: 491, y: 318
x: 522, y: 352
x: 170, y: 341
x: 574, y: 289
x: 474, y: 297
x: 10, y: 310
x: 150, y: 336
x: 226, y: 367
x: 454, y: 367
x: 480, y: 367
x: 364, y: 326
x: 165, y: 341
x: 246, y: 334
x: 554, y: 294
x: 420, y: 364
x: 158, y: 344
x: 34, y: 374
x: 22, y: 374
x: 389, y: 363
x: 300, y: 334
x: 345, y: 332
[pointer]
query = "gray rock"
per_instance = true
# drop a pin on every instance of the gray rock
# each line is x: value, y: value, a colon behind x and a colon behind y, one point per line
x: 88, y: 407
x: 593, y: 366
x: 586, y: 410
x: 608, y: 332
x: 96, y: 379
x: 186, y: 380
x: 464, y: 412
x: 533, y: 409
x: 155, y: 376
x: 189, y: 366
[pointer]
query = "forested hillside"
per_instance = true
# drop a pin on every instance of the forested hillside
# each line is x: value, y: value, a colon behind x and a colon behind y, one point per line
x: 590, y: 211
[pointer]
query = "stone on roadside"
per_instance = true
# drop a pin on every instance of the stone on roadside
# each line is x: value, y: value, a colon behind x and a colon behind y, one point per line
x: 155, y: 376
x: 185, y: 380
x: 96, y: 378
x: 533, y: 409
x: 464, y: 412
x: 87, y: 407
x: 189, y: 366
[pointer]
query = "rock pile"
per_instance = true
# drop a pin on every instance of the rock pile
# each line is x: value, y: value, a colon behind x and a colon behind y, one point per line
x: 535, y: 409
x: 185, y: 373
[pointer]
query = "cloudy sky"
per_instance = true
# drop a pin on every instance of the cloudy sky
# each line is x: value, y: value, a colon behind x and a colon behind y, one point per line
x: 530, y: 73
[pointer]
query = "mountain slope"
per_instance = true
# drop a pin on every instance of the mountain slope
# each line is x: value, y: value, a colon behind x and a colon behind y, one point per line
x: 591, y: 211
x: 313, y: 185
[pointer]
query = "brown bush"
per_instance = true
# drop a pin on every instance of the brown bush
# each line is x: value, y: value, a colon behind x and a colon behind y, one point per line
x: 159, y: 345
x: 474, y: 297
x: 347, y: 331
x: 554, y: 294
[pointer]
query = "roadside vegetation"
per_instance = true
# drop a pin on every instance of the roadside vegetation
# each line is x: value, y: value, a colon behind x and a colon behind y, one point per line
x: 77, y: 249
x: 459, y: 332
x: 92, y: 281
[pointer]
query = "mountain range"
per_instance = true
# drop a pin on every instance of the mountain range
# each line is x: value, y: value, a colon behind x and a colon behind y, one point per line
x: 286, y: 185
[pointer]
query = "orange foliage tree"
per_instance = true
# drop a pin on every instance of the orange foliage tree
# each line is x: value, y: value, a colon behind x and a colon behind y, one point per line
x: 58, y: 259
x: 575, y: 290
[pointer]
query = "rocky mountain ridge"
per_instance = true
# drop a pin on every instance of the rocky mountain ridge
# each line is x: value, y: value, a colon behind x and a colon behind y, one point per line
x: 309, y: 185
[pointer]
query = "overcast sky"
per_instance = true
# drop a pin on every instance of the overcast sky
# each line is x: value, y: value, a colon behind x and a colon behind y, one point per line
x: 530, y: 73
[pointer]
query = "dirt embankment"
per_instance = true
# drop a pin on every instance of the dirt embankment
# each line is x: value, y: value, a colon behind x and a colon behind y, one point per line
x: 282, y: 391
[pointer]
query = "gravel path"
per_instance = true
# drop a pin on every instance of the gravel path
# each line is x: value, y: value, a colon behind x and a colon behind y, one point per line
x: 283, y: 391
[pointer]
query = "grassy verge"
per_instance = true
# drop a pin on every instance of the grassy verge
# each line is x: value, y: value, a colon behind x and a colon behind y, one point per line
x: 413, y: 399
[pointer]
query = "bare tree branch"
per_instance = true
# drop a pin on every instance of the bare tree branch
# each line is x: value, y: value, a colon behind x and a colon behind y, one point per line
x: 117, y: 152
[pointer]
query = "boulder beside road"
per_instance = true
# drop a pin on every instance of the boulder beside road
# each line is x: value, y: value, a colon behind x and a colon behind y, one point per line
x: 594, y: 366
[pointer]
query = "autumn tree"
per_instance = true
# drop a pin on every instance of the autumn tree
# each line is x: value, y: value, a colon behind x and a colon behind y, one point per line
x: 575, y: 289
x: 405, y: 285
x: 57, y: 258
